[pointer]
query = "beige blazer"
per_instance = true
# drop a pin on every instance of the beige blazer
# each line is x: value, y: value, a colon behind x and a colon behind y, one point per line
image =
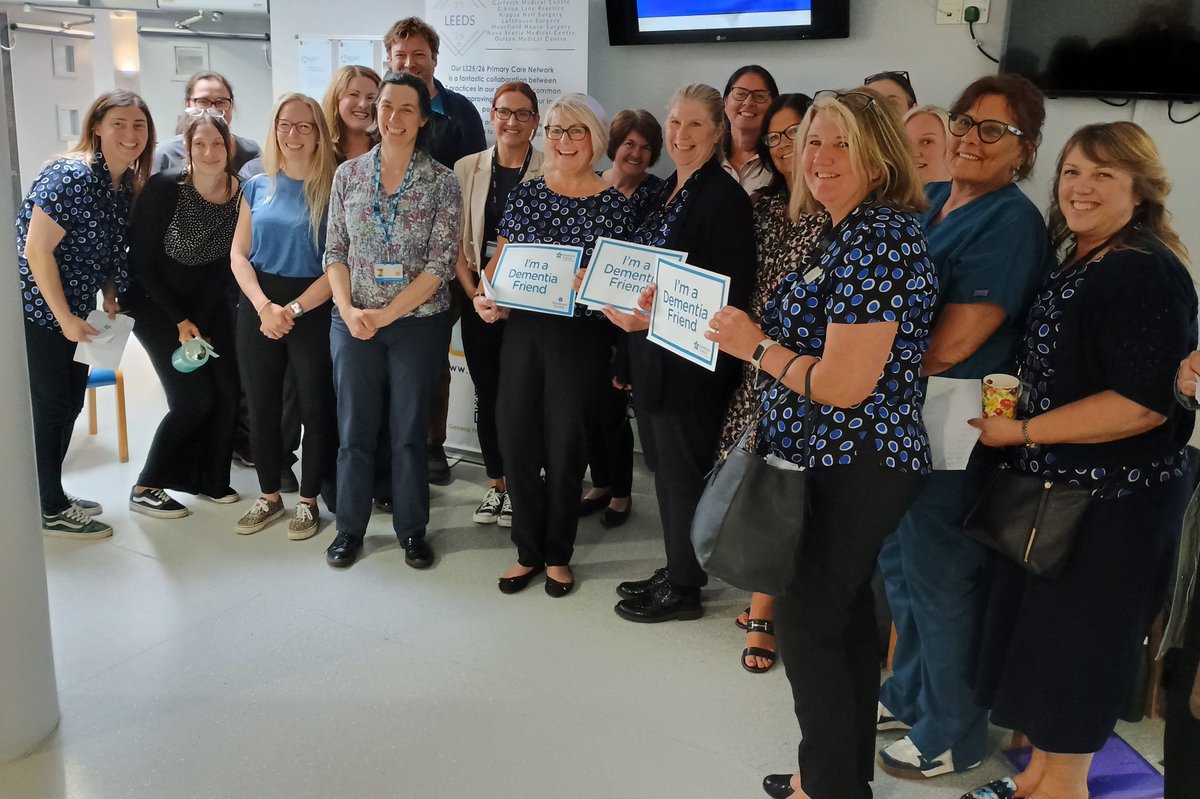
x: 474, y: 173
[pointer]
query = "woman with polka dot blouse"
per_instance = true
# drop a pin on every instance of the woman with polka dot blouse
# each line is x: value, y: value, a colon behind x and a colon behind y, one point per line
x: 71, y: 243
x: 553, y: 368
x: 857, y: 314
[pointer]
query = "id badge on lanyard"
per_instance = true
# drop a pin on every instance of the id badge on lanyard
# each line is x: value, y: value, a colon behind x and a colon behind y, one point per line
x: 390, y: 272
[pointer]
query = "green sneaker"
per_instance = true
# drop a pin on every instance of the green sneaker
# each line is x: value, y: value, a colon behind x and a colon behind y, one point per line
x: 73, y: 522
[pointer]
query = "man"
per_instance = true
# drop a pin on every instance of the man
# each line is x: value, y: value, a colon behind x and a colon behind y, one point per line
x: 206, y: 92
x: 412, y: 47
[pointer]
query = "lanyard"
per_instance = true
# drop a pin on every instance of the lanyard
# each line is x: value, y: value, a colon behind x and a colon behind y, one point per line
x: 493, y: 190
x: 385, y: 230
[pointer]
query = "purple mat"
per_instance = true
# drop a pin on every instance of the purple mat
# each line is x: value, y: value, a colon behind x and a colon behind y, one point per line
x: 1118, y: 772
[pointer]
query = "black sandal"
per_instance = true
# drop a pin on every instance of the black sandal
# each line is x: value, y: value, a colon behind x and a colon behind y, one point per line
x: 738, y: 619
x: 767, y: 628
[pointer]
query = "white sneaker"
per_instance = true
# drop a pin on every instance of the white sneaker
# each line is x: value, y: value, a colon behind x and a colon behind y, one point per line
x: 506, y: 512
x: 488, y: 511
x: 886, y: 720
x: 902, y: 759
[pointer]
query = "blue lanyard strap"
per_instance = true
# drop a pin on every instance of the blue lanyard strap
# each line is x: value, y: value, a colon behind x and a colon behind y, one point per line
x: 385, y: 229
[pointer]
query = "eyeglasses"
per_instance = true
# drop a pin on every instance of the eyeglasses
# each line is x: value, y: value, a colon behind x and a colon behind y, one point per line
x: 760, y: 96
x: 855, y: 101
x: 989, y: 130
x: 574, y: 133
x: 196, y: 111
x: 891, y: 74
x: 303, y: 128
x: 223, y: 103
x: 522, y: 114
x: 774, y: 138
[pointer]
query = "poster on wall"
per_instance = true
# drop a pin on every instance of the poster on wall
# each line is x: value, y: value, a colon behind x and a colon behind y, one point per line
x: 319, y: 57
x: 488, y: 42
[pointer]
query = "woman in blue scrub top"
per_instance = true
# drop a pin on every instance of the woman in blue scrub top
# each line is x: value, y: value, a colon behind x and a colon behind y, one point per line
x: 991, y: 249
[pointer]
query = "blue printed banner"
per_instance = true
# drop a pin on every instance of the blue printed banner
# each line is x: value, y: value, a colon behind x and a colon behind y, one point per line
x: 537, y: 277
x: 619, y: 271
x: 687, y: 297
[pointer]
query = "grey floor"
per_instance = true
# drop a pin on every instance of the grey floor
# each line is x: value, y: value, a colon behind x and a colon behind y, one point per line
x: 193, y: 662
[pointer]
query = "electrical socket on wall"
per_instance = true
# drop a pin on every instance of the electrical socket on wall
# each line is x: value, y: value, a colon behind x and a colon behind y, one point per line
x: 950, y: 12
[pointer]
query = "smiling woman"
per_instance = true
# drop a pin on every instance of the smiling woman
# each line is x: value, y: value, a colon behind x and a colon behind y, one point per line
x: 349, y: 107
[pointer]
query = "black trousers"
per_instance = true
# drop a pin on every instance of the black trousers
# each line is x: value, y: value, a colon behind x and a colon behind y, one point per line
x: 263, y: 364
x: 1181, y: 741
x: 192, y: 447
x: 611, y: 445
x: 685, y: 445
x: 825, y: 625
x: 57, y: 385
x: 440, y: 409
x: 551, y: 370
x: 482, y: 343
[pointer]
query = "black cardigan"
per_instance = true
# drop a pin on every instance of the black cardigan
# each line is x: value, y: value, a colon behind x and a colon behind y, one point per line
x: 716, y: 230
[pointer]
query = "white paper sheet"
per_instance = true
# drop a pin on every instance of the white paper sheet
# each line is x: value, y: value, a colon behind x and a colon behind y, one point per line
x: 949, y: 403
x: 104, y: 351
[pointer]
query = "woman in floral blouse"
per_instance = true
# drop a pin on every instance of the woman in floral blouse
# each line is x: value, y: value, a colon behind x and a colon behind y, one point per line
x: 392, y: 245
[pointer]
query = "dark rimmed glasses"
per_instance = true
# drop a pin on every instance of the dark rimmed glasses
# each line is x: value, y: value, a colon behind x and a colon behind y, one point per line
x: 990, y: 131
x: 223, y: 103
x: 891, y: 74
x: 522, y: 114
x: 759, y: 96
x: 303, y: 128
x: 773, y: 139
x: 574, y: 133
x: 855, y: 101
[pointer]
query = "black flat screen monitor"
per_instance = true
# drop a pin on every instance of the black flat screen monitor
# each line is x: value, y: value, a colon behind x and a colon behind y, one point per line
x: 679, y: 21
x: 1106, y: 48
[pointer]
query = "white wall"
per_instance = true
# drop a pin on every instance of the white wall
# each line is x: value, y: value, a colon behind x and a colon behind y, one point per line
x: 884, y: 34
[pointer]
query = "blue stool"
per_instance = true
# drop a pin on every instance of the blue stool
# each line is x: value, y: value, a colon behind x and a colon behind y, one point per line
x: 99, y: 378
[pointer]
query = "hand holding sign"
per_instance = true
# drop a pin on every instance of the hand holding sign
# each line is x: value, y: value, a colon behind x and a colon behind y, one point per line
x: 686, y: 298
x: 734, y: 332
x: 619, y: 271
x: 537, y: 277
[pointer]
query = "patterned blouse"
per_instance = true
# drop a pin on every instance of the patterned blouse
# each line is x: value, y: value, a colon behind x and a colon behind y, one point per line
x: 874, y: 270
x: 782, y: 246
x: 417, y: 227
x: 80, y: 198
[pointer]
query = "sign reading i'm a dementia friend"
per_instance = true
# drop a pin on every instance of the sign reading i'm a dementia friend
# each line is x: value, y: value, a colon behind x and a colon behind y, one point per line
x: 619, y: 271
x: 537, y: 277
x: 687, y: 298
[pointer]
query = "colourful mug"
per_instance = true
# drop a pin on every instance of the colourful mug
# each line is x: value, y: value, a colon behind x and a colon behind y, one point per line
x: 1000, y: 394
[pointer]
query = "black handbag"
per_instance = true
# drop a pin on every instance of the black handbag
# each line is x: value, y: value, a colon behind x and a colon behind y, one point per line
x: 749, y: 524
x: 1029, y: 519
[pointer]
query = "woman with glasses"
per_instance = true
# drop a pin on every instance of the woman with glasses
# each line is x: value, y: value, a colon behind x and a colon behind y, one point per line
x: 782, y: 246
x: 205, y: 93
x: 1102, y: 343
x: 552, y: 368
x: 393, y: 242
x: 990, y: 247
x: 928, y: 128
x: 702, y: 211
x: 748, y: 92
x: 895, y: 86
x: 283, y: 315
x: 179, y: 257
x: 855, y: 318
x: 349, y: 107
x: 487, y: 178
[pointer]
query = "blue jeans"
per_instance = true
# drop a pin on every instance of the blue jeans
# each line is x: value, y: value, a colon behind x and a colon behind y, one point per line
x: 394, y: 372
x: 933, y: 576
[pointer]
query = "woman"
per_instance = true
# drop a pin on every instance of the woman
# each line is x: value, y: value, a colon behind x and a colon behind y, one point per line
x: 179, y: 256
x: 487, y: 177
x: 989, y: 245
x: 928, y: 128
x: 861, y: 331
x: 71, y: 239
x: 349, y: 108
x: 552, y: 367
x: 1102, y: 342
x: 748, y: 92
x: 782, y: 246
x: 895, y: 86
x: 393, y: 243
x: 701, y: 211
x: 205, y: 92
x: 283, y: 315
x: 635, y: 142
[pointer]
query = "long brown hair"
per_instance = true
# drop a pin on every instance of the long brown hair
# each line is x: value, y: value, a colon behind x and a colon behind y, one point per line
x: 218, y: 124
x: 319, y: 181
x: 333, y: 96
x: 1125, y: 146
x: 89, y: 142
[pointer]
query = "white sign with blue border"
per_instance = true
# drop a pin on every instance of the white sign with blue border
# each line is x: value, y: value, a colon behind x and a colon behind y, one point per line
x: 619, y: 271
x: 537, y: 277
x: 687, y: 298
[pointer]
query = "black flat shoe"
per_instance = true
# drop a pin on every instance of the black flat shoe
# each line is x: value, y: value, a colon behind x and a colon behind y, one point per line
x: 556, y: 589
x: 778, y: 785
x: 665, y: 604
x: 511, y: 585
x: 615, y: 518
x: 1003, y: 788
x: 588, y: 506
x: 343, y: 551
x: 417, y: 552
x: 631, y: 589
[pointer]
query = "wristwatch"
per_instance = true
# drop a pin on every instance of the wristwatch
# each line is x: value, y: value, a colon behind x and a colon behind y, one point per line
x: 761, y: 350
x: 297, y: 311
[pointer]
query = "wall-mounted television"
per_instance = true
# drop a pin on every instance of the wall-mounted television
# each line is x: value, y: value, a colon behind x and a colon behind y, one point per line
x: 1106, y: 48
x: 679, y: 21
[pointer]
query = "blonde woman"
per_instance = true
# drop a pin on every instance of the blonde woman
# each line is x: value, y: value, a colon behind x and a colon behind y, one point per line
x: 72, y: 232
x: 928, y: 129
x: 283, y: 316
x: 349, y: 108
